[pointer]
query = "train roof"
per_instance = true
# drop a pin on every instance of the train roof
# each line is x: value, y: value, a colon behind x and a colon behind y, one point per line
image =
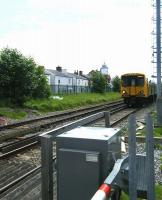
x: 133, y: 74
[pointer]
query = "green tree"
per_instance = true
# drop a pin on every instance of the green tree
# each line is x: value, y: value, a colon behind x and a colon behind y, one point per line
x: 41, y: 89
x: 116, y: 83
x: 98, y: 82
x: 20, y: 77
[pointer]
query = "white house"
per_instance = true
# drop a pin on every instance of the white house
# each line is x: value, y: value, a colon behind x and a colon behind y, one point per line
x: 62, y: 81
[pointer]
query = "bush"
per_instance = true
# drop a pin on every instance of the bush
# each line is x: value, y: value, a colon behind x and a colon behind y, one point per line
x: 98, y: 82
x: 21, y: 78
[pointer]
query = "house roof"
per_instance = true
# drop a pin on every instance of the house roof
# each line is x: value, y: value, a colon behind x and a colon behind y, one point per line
x: 78, y: 76
x: 86, y: 76
x: 57, y: 73
x: 64, y: 74
x: 47, y: 72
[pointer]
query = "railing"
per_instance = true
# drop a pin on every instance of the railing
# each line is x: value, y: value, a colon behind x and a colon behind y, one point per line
x: 67, y: 89
x: 47, y: 150
x: 140, y: 168
x: 133, y: 161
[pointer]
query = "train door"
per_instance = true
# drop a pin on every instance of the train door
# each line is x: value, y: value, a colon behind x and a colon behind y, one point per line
x: 132, y: 90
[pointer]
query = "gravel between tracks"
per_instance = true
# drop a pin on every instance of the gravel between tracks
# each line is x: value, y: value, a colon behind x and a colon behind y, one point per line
x: 140, y: 117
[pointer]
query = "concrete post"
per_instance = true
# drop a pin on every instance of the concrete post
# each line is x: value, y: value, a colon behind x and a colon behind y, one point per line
x: 150, y: 159
x: 47, y: 167
x: 132, y: 158
x: 107, y: 119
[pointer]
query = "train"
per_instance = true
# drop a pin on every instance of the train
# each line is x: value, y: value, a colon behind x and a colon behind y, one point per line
x: 136, y: 89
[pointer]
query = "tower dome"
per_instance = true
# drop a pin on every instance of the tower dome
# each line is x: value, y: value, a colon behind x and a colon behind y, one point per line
x: 104, y: 69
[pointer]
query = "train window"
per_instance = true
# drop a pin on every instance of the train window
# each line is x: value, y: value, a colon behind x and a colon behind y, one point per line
x: 128, y: 81
x: 140, y: 81
x: 125, y: 81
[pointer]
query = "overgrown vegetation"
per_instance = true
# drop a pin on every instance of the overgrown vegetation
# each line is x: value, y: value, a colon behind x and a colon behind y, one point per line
x: 39, y: 106
x: 158, y: 193
x: 21, y: 78
x: 71, y: 101
x: 12, y: 113
x: 158, y: 146
x: 157, y: 132
x: 161, y: 162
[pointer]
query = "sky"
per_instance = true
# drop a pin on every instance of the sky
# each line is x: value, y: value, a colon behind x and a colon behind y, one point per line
x: 80, y: 34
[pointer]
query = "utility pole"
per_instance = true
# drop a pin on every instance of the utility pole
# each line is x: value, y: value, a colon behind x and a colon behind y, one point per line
x: 158, y: 45
x: 157, y: 53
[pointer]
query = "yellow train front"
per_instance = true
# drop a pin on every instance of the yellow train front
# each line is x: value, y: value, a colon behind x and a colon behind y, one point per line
x: 135, y: 89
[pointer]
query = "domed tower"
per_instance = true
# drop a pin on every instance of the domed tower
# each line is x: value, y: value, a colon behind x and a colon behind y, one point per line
x: 104, y: 69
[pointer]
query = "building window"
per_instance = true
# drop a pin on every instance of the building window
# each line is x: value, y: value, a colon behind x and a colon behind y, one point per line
x: 69, y: 81
x: 58, y: 81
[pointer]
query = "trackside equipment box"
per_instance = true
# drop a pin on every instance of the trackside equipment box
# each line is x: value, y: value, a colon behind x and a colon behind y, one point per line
x: 85, y: 157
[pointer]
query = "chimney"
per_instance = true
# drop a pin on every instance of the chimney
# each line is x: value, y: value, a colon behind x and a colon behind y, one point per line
x: 80, y: 73
x: 76, y: 72
x: 59, y: 69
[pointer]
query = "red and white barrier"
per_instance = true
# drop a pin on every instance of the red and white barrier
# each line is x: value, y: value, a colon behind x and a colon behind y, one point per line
x: 102, y: 193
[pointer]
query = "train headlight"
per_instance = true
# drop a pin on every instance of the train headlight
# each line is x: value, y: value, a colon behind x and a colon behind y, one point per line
x: 124, y: 92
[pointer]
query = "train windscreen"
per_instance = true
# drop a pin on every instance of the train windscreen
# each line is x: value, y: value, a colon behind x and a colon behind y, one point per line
x: 128, y: 81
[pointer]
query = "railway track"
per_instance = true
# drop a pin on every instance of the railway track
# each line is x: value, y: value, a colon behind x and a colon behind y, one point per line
x: 58, y: 119
x: 22, y: 182
x: 20, y: 176
x: 90, y: 109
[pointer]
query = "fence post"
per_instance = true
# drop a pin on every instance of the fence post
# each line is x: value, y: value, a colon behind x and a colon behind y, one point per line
x: 47, y: 167
x: 150, y: 159
x: 107, y: 119
x: 132, y: 158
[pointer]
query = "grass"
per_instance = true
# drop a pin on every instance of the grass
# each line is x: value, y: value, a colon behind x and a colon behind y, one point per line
x: 158, y: 193
x: 161, y: 162
x: 71, y: 101
x: 41, y: 106
x: 158, y: 146
x: 157, y: 132
x: 161, y: 167
x: 12, y: 113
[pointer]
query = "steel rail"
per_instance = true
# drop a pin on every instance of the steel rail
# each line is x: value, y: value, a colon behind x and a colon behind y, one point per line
x: 61, y: 113
x: 8, y: 186
x: 34, y: 139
